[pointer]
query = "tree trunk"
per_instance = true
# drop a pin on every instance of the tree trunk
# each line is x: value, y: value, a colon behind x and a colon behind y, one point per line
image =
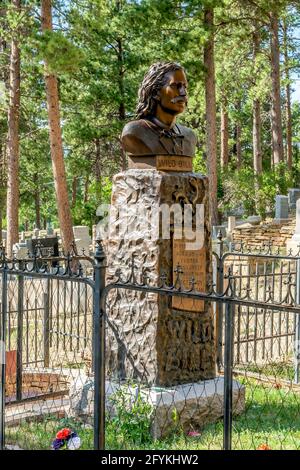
x: 122, y: 109
x: 224, y: 134
x: 86, y: 190
x: 288, y: 111
x: 13, y: 142
x: 256, y: 132
x: 4, y: 77
x: 57, y: 156
x: 74, y: 190
x: 238, y: 134
x: 37, y: 203
x: 98, y: 171
x: 211, y: 120
x: 277, y: 140
x: 256, y: 113
x: 1, y: 226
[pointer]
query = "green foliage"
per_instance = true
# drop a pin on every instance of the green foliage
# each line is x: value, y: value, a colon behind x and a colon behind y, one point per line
x: 100, y: 50
x: 131, y: 421
x: 255, y: 193
x: 59, y: 52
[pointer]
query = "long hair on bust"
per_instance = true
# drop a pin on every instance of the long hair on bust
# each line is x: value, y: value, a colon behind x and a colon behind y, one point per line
x: 153, y: 81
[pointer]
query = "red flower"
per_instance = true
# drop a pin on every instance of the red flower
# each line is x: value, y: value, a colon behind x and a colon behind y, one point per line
x: 264, y: 447
x: 194, y: 434
x: 63, y: 433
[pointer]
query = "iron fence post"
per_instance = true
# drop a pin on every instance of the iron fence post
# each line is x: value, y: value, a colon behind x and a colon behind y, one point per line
x: 219, y: 305
x: 99, y: 350
x: 2, y: 357
x: 20, y: 335
x: 297, y: 328
x: 228, y: 366
x: 47, y: 325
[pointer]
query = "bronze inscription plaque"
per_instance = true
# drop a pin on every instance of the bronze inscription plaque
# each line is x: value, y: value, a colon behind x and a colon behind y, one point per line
x: 193, y: 264
x: 174, y: 163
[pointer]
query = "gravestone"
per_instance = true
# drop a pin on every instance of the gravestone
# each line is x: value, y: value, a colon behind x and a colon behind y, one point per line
x: 20, y: 250
x: 36, y: 233
x: 82, y: 239
x: 48, y: 247
x: 231, y: 223
x: 160, y: 340
x: 293, y: 245
x: 281, y: 207
x: 293, y: 195
x: 50, y: 231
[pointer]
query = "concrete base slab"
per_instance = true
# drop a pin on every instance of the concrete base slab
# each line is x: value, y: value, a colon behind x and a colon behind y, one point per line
x: 191, y: 406
x: 184, y: 407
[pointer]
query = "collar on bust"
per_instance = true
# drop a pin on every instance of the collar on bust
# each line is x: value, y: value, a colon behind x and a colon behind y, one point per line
x: 156, y: 121
x: 164, y: 130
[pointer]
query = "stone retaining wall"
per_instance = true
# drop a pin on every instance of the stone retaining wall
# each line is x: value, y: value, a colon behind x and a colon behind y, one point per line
x: 257, y: 235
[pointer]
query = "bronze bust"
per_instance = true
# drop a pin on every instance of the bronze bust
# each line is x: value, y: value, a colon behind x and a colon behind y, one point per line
x: 162, y: 96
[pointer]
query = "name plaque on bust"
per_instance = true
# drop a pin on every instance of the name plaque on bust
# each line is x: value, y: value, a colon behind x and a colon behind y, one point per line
x: 193, y: 264
x: 174, y: 163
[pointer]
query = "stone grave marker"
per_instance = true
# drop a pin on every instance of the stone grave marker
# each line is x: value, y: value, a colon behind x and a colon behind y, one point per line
x: 293, y: 244
x: 293, y: 195
x: 281, y: 207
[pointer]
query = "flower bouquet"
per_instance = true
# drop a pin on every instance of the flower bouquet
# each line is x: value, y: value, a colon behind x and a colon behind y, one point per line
x: 66, y: 438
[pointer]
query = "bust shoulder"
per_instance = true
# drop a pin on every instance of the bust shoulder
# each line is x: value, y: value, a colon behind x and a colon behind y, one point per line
x: 188, y: 133
x: 134, y: 128
x: 135, y: 139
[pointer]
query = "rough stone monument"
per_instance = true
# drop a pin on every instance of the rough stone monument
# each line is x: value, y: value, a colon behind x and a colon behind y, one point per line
x: 163, y: 342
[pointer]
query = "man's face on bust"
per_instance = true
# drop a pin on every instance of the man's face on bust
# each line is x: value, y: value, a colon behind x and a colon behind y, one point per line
x: 172, y: 97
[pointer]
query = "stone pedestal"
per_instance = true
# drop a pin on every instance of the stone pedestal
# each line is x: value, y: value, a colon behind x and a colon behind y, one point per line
x: 152, y: 338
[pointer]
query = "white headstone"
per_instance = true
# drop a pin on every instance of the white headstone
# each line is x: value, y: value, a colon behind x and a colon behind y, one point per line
x: 20, y: 250
x: 231, y: 223
x: 82, y: 239
x: 81, y: 231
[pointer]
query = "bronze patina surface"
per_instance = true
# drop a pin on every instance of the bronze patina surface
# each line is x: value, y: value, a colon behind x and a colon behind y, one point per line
x: 162, y: 96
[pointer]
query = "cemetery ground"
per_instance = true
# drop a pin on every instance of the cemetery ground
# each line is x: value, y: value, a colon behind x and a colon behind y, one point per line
x: 271, y: 419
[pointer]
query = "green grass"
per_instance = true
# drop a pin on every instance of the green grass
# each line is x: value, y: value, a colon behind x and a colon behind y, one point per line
x: 272, y: 417
x: 276, y: 370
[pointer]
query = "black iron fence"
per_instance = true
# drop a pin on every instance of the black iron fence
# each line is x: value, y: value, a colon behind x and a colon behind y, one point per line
x: 72, y: 359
